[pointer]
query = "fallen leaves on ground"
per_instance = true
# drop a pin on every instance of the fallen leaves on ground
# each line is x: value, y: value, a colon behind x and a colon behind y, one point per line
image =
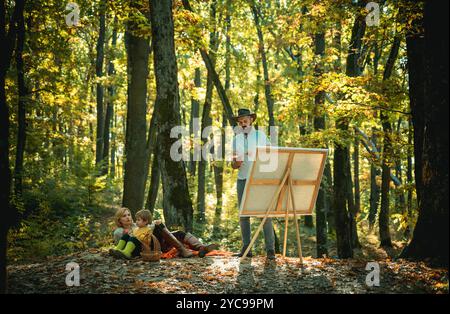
x: 101, y: 273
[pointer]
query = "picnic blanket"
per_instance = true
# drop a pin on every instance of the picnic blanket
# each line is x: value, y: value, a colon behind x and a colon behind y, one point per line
x: 172, y: 253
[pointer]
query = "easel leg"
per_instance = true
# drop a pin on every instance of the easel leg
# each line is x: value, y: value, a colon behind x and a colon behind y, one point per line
x: 286, y: 218
x: 299, y: 244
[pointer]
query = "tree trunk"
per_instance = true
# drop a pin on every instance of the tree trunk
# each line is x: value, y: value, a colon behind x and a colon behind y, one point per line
x: 354, y: 51
x: 99, y: 73
x: 257, y: 87
x: 342, y: 154
x: 328, y: 176
x: 374, y: 188
x: 154, y: 182
x: 8, y: 40
x: 218, y: 170
x: 206, y: 116
x: 167, y: 105
x: 152, y: 149
x: 328, y: 184
x: 342, y: 214
x: 356, y: 175
x: 195, y: 111
x: 357, y: 194
x: 383, y: 222
x: 135, y: 138
x: 319, y: 125
x: 110, y: 104
x: 409, y: 179
x: 206, y: 122
x: 113, y: 145
x: 428, y: 73
x: 400, y: 199
x: 383, y: 219
x: 256, y: 10
x: 337, y: 38
x: 5, y: 172
x: 22, y: 107
x: 351, y: 205
x: 218, y: 178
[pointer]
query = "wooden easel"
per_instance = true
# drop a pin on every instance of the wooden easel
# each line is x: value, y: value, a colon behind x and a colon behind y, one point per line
x: 284, y: 187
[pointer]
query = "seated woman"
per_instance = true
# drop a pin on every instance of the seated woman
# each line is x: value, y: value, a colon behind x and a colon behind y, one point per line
x: 167, y: 239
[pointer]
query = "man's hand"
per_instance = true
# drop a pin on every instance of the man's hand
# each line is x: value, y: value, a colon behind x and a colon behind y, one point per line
x: 236, y: 164
x: 157, y: 222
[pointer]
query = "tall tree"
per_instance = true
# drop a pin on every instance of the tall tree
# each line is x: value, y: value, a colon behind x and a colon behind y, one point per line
x: 374, y: 187
x: 22, y: 105
x: 319, y: 125
x: 113, y: 143
x: 385, y: 236
x: 409, y: 179
x: 110, y: 102
x: 256, y: 11
x: 167, y: 106
x: 428, y: 82
x: 155, y: 171
x: 195, y: 113
x: 341, y: 163
x: 8, y: 39
x: 353, y: 214
x: 136, y: 154
x: 374, y: 171
x: 219, y: 168
x: 206, y: 113
x: 356, y: 175
x: 99, y: 86
x: 328, y: 175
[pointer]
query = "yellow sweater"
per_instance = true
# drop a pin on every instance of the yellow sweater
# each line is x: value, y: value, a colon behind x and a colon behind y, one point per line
x: 143, y: 234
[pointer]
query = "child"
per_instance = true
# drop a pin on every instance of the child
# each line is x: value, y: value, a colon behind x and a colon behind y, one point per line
x: 130, y: 246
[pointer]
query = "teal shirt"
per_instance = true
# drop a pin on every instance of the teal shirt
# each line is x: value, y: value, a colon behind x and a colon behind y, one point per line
x: 243, y: 145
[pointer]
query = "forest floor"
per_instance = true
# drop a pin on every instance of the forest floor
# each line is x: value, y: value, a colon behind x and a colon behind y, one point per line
x: 100, y: 273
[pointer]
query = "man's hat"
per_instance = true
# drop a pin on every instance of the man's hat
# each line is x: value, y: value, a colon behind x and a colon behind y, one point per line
x: 243, y: 112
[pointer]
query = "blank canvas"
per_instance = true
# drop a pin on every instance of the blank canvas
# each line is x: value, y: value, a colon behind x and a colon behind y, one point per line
x: 267, y: 171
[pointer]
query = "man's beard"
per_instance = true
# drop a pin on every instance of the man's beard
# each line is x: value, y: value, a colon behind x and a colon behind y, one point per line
x: 245, y: 130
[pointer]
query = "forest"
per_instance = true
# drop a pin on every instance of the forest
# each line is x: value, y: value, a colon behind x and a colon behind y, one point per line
x: 91, y: 90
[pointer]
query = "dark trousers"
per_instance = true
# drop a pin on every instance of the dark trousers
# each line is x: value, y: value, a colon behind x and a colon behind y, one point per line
x: 164, y: 245
x: 137, y: 243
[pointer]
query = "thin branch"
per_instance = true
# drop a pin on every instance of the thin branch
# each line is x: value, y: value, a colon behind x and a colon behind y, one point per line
x: 332, y: 101
x: 374, y: 152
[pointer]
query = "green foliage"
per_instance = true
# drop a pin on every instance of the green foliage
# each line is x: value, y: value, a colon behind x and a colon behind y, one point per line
x: 62, y: 213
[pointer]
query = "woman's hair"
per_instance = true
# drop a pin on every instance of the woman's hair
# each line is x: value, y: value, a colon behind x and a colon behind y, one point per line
x: 119, y: 213
x: 144, y: 215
